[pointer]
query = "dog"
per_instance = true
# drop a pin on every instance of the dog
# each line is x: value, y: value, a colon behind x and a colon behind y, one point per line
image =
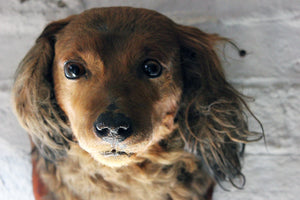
x: 124, y: 103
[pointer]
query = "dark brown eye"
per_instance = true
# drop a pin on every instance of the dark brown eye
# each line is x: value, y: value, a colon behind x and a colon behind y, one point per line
x: 152, y: 68
x: 73, y: 70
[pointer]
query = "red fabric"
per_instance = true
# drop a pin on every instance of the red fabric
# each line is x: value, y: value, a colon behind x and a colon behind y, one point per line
x: 209, y: 192
x: 39, y: 188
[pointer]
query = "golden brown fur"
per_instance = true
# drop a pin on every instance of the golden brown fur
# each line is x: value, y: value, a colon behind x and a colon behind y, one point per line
x: 188, y: 124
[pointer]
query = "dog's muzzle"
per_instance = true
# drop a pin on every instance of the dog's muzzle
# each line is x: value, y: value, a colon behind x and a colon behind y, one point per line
x: 113, y: 127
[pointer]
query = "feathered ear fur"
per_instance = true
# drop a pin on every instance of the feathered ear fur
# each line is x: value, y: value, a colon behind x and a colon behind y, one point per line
x: 33, y: 96
x: 211, y: 119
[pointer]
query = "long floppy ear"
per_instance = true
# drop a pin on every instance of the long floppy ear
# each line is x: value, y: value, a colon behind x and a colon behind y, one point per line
x: 33, y: 96
x: 211, y: 120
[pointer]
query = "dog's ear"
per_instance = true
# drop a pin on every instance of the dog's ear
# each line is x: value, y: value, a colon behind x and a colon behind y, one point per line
x: 211, y: 119
x: 33, y: 96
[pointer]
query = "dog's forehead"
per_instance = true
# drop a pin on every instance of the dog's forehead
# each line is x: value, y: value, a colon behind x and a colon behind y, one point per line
x: 125, y: 19
x: 119, y: 22
x: 116, y: 32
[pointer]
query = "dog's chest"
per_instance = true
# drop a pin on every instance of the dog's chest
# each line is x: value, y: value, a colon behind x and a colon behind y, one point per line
x: 84, y: 178
x: 88, y: 180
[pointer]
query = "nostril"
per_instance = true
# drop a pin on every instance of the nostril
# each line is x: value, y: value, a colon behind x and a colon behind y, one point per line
x: 101, y: 129
x: 102, y: 132
x: 124, y: 131
x: 123, y: 128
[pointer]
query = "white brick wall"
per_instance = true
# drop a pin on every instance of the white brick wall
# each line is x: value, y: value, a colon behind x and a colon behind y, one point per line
x: 268, y: 29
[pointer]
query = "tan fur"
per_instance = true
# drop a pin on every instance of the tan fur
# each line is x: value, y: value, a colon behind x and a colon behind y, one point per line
x: 188, y: 123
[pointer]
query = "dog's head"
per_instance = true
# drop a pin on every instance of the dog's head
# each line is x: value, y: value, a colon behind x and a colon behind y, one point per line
x: 118, y: 80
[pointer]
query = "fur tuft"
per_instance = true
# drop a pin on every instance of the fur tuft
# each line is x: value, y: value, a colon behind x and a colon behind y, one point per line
x: 211, y: 118
x: 34, y: 98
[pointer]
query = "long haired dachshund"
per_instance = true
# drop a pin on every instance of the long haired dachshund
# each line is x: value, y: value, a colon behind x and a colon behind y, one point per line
x: 123, y: 103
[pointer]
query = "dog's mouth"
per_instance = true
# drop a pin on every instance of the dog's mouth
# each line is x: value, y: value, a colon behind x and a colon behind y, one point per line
x: 115, y: 153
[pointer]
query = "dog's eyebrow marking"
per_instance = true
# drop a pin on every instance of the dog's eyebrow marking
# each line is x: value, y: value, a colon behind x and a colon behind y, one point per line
x: 164, y: 59
x: 75, y: 58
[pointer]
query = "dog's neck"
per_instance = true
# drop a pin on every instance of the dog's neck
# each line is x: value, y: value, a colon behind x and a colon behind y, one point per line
x: 161, y: 169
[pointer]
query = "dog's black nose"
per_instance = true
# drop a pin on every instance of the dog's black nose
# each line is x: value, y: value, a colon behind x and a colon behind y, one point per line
x: 113, y: 127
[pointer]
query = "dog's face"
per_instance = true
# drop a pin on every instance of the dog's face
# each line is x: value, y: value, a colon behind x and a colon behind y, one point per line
x: 118, y: 82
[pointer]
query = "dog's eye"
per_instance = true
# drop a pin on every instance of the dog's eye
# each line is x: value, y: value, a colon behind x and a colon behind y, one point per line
x: 73, y: 70
x: 152, y: 68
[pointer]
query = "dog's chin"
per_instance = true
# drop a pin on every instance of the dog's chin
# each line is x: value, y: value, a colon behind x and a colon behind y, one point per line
x: 114, y: 158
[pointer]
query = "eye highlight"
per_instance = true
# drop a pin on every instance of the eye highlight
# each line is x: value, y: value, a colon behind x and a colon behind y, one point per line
x: 152, y: 68
x: 73, y: 70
